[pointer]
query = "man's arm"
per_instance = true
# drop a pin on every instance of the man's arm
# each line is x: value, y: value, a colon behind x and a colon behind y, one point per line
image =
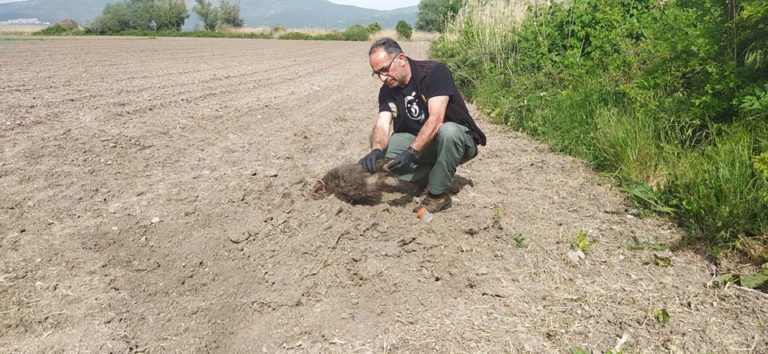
x: 437, y: 106
x: 381, y: 131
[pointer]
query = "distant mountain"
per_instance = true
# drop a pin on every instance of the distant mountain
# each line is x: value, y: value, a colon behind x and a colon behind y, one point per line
x: 256, y: 13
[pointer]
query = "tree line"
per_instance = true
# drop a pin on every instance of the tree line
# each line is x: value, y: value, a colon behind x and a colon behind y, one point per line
x: 164, y: 15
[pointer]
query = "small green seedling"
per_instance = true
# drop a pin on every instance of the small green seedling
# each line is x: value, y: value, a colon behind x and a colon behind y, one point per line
x: 579, y: 350
x: 583, y: 242
x: 661, y: 315
x: 496, y: 214
x: 756, y: 280
x: 752, y: 281
x: 520, y: 241
x: 724, y: 279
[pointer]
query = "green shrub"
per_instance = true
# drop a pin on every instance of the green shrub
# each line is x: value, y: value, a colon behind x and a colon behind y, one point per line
x: 295, y: 36
x: 717, y: 191
x: 330, y: 36
x: 52, y: 30
x: 356, y: 33
x: 628, y: 144
x: 404, y: 30
x: 68, y: 24
x: 374, y: 27
x: 680, y: 120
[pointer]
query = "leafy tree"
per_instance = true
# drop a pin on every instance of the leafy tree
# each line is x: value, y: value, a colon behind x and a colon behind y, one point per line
x: 170, y: 15
x: 404, y: 30
x: 142, y: 16
x: 374, y: 27
x: 114, y: 18
x: 229, y: 14
x: 433, y: 14
x: 208, y: 13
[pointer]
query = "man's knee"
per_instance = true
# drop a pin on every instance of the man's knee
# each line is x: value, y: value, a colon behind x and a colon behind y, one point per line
x: 398, y: 142
x: 451, y: 131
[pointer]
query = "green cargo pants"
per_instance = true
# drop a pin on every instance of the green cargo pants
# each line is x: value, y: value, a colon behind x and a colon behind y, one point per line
x: 452, y: 147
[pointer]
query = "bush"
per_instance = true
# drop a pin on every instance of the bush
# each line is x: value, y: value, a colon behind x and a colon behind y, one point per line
x: 679, y: 120
x: 404, y: 30
x: 295, y: 36
x: 330, y: 36
x: 52, y: 30
x: 68, y: 25
x: 356, y: 33
x: 718, y: 192
x: 374, y: 27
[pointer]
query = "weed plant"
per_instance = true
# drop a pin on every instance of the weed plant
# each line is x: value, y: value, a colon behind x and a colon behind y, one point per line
x: 671, y: 97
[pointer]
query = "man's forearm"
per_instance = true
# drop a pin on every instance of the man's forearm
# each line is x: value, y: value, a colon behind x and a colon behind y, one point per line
x: 427, y: 133
x: 379, y: 138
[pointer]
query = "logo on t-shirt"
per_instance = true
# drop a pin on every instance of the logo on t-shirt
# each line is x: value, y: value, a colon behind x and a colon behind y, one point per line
x: 413, y: 109
x: 392, y: 108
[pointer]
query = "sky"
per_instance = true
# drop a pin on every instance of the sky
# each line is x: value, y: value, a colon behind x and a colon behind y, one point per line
x: 376, y: 4
x: 371, y: 4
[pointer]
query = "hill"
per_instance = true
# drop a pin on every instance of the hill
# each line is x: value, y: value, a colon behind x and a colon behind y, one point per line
x: 256, y: 13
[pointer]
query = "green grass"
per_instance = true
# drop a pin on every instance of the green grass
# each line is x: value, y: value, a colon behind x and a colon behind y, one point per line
x: 683, y: 130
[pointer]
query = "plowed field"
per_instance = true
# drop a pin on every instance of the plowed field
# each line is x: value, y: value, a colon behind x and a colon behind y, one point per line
x: 153, y: 197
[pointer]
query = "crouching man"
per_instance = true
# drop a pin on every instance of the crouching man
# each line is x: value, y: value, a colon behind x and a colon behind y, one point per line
x: 423, y: 125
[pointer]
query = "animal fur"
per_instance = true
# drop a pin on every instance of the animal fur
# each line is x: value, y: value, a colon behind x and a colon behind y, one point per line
x: 353, y: 184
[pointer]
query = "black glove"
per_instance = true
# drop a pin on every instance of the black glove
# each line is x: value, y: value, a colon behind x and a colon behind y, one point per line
x: 402, y: 163
x: 369, y: 161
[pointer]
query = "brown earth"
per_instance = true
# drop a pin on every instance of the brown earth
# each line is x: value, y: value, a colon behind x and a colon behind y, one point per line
x: 155, y: 198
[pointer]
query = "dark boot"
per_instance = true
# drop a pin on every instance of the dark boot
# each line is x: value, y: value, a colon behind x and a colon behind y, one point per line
x: 435, y: 203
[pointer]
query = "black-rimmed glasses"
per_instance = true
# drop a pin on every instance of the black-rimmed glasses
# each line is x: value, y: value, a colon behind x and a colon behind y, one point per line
x: 385, y: 70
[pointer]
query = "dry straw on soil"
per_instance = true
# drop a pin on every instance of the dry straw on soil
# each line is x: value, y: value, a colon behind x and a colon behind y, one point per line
x: 492, y: 22
x: 19, y: 30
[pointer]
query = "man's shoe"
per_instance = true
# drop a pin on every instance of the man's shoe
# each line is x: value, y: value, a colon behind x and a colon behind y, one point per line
x: 435, y: 203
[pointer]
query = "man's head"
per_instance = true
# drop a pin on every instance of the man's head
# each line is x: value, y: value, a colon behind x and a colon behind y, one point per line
x: 389, y: 63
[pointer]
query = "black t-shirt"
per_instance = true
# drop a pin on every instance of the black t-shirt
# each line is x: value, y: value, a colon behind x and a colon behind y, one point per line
x: 409, y: 105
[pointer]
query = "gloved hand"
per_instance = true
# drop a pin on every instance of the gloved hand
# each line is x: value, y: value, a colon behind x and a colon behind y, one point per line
x: 402, y: 163
x: 369, y: 161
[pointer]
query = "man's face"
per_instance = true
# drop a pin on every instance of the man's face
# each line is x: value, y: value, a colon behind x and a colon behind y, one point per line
x: 387, y: 68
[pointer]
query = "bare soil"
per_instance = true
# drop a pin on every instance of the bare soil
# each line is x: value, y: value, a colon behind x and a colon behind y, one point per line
x: 154, y: 196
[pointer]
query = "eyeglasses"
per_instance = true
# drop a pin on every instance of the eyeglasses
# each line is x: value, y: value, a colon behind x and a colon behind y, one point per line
x: 385, y: 70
